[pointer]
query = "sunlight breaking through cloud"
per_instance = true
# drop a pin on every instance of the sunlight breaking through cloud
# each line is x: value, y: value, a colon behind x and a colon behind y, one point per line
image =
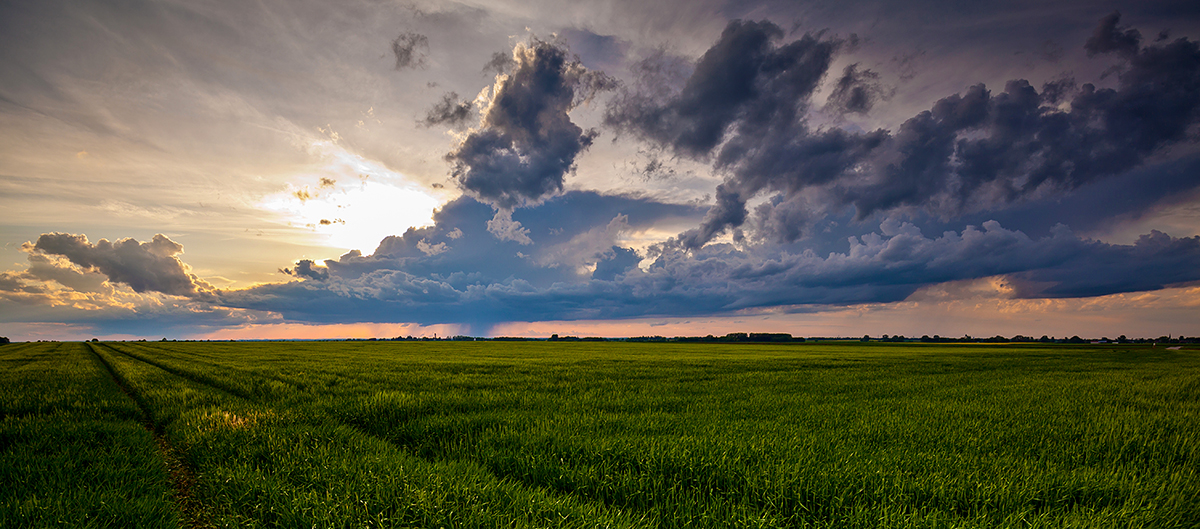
x: 351, y: 202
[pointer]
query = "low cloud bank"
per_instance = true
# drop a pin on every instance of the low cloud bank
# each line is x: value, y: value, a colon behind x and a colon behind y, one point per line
x: 481, y: 281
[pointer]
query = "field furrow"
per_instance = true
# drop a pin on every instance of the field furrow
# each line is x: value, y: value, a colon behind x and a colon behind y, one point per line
x: 288, y: 466
x: 73, y: 450
x: 183, y: 480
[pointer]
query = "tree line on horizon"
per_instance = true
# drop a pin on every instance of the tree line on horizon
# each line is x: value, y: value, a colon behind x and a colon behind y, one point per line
x: 742, y: 337
x: 738, y: 337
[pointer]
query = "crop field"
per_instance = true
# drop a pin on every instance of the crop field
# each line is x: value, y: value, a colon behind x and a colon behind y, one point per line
x: 540, y: 434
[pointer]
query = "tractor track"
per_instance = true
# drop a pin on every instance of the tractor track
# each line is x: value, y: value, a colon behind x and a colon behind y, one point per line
x: 360, y: 429
x: 192, y: 513
x: 203, y: 381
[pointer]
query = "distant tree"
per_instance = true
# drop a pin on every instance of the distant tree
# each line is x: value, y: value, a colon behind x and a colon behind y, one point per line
x: 95, y: 340
x: 866, y: 338
x: 4, y: 340
x: 769, y: 337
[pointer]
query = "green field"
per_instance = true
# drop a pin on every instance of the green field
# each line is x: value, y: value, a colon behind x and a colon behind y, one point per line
x: 537, y: 434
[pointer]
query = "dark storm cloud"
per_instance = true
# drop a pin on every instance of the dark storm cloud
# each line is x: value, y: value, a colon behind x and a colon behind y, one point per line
x: 729, y: 210
x: 448, y: 111
x: 783, y: 219
x: 1098, y: 207
x: 745, y: 109
x: 144, y: 266
x: 1109, y: 37
x: 979, y: 150
x: 745, y: 106
x: 1154, y: 261
x: 745, y: 80
x: 527, y: 143
x: 410, y: 50
x: 856, y: 91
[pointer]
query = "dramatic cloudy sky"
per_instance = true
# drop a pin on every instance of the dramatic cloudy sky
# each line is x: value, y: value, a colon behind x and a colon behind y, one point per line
x: 221, y: 169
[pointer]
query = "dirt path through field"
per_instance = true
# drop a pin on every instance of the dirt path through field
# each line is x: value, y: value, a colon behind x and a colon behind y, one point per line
x: 192, y: 513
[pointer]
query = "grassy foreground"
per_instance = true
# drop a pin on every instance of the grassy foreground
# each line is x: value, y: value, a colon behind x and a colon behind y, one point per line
x: 535, y: 434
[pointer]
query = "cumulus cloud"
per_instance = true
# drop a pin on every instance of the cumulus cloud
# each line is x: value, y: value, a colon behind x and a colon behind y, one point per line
x: 145, y: 266
x: 526, y: 143
x: 46, y: 268
x: 121, y: 287
x: 745, y: 109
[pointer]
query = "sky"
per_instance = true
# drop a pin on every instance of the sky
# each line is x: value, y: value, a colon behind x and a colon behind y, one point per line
x: 315, y: 169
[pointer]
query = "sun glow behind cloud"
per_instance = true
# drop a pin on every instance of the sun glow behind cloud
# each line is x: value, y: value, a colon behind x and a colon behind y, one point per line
x: 350, y: 202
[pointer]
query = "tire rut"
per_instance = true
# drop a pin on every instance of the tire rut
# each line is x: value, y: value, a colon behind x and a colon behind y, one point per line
x: 184, y: 375
x: 547, y: 489
x: 192, y: 512
x: 209, y: 360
